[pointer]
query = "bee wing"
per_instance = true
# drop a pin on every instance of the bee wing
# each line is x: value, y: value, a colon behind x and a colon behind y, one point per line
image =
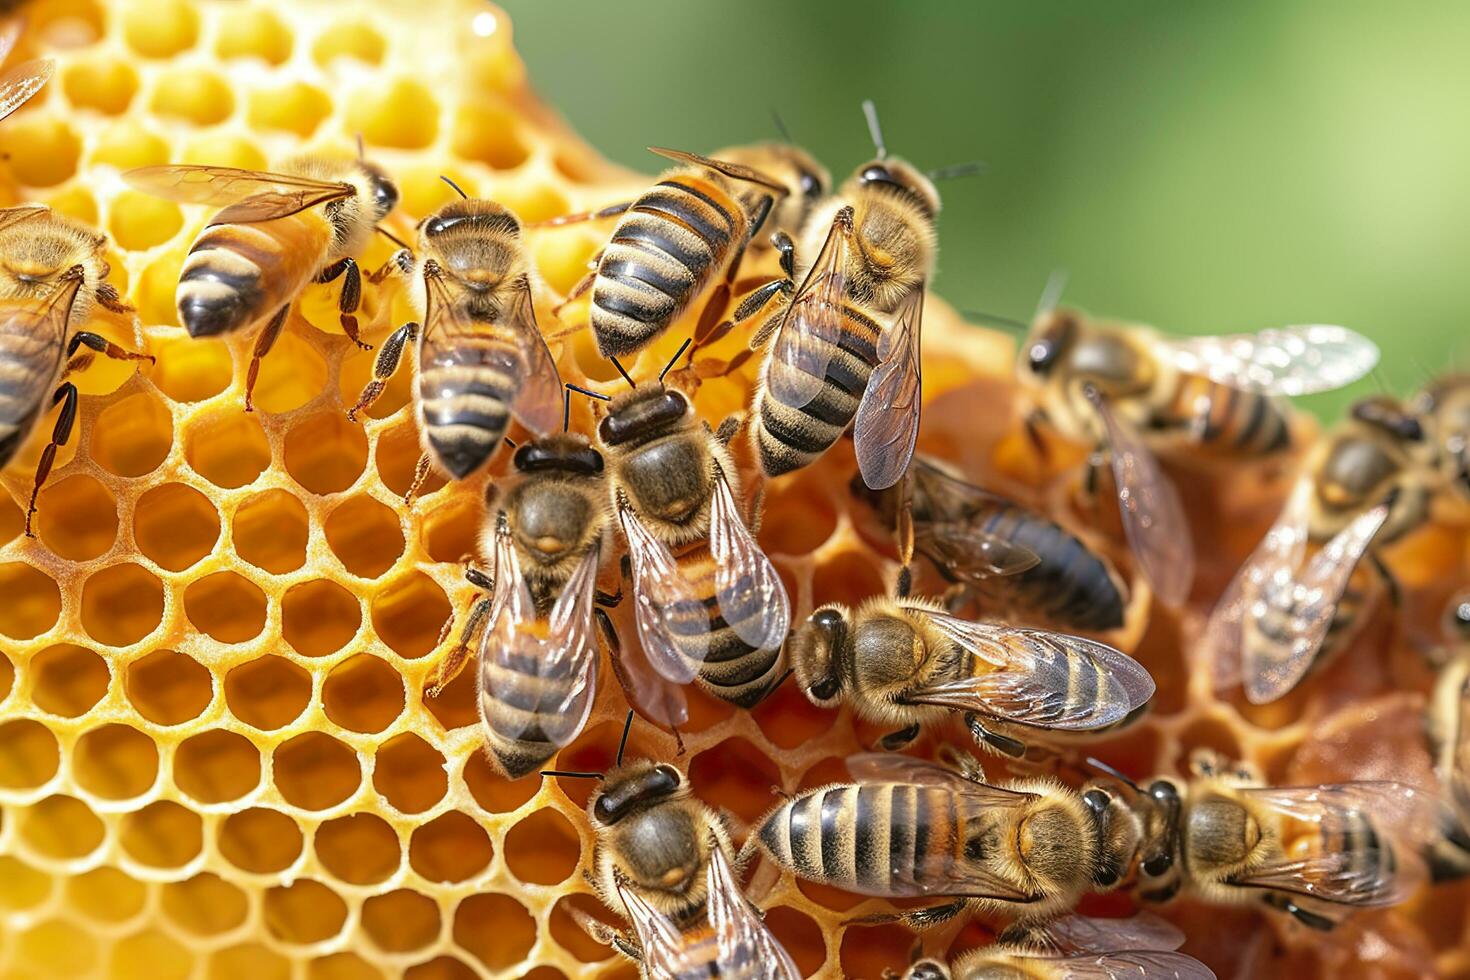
x: 1153, y: 517
x: 887, y: 422
x: 736, y: 170
x: 971, y: 553
x: 747, y: 948
x: 249, y: 195
x: 811, y: 325
x: 1084, y: 933
x: 1308, y: 602
x: 1043, y: 679
x: 20, y: 83
x: 752, y: 599
x: 1296, y: 360
x: 657, y: 698
x: 1131, y: 964
x: 665, y: 956
x: 21, y: 212
x: 538, y: 404
x: 512, y: 596
x: 1345, y: 829
x: 10, y: 32
x: 663, y: 603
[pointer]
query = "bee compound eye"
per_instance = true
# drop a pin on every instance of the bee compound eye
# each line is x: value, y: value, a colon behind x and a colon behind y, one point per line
x: 385, y: 196
x: 824, y: 689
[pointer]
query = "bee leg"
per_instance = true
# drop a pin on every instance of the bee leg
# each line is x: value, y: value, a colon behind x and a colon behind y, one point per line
x: 263, y: 345
x: 454, y: 660
x: 720, y: 298
x: 1395, y: 593
x: 611, y: 211
x: 105, y: 347
x: 581, y: 288
x: 400, y: 262
x: 350, y: 296
x: 925, y: 918
x: 608, y: 600
x: 1307, y: 918
x: 894, y: 741
x: 1033, y: 423
x: 994, y: 741
x: 111, y: 300
x: 730, y: 428
x: 420, y: 474
x: 67, y: 396
x: 384, y: 366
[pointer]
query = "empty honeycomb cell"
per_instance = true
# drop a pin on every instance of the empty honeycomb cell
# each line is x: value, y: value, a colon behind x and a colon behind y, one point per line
x: 397, y: 454
x: 490, y: 134
x: 304, y: 911
x: 175, y: 525
x: 408, y: 614
x: 267, y: 693
x: 315, y: 771
x: 190, y: 370
x: 848, y: 578
x: 347, y: 39
x: 291, y: 376
x: 168, y: 688
x: 204, y: 905
x: 228, y: 449
x: 260, y: 841
x: 21, y: 886
x: 543, y: 848
x: 359, y: 849
x: 154, y: 296
x: 199, y: 97
x: 217, y: 766
x: 40, y: 152
x: 106, y: 894
x: 132, y: 436
x: 252, y: 32
x: 61, y: 827
x: 867, y: 951
x: 76, y: 518
x: 7, y: 676
x: 103, y: 84
x: 562, y: 261
x: 799, y: 935
x: 140, y: 221
x: 1208, y: 734
x: 400, y: 921
x: 595, y: 750
x: 452, y: 532
x: 366, y: 536
x: 57, y: 949
x: 160, y: 28
x: 294, y: 108
x: 572, y: 937
x: 12, y: 521
x: 494, y: 929
x: 32, y: 601
x: 342, y: 966
x: 76, y: 203
x: 534, y: 202
x: 402, y: 114
x: 227, y: 607
x: 29, y: 755
x: 544, y: 973
x: 121, y: 604
x: 363, y: 694
x: 105, y: 374
x: 67, y: 680
x: 440, y: 968
x: 271, y: 532
x: 326, y: 453
x: 115, y: 762
x: 492, y: 791
x: 409, y: 774
x: 150, y: 955
x: 164, y: 834
x: 734, y: 775
x: 789, y: 720
x: 451, y: 847
x: 319, y: 618
x: 67, y: 23
x: 458, y: 704
x: 248, y: 961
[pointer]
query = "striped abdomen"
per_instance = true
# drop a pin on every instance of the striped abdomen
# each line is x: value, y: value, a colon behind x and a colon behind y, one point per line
x: 466, y: 384
x: 886, y: 839
x: 528, y: 708
x: 663, y: 253
x: 237, y: 274
x: 699, y: 959
x: 1276, y: 627
x: 1366, y: 855
x: 30, y: 362
x: 1226, y: 419
x: 731, y: 668
x: 1070, y: 586
x: 790, y: 437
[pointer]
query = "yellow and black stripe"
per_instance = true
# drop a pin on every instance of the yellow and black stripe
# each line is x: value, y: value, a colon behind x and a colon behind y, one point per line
x: 731, y: 669
x: 465, y: 389
x: 527, y: 711
x: 1244, y: 423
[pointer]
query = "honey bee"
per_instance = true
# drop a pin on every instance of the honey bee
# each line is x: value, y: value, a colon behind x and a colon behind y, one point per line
x: 806, y: 182
x: 716, y: 612
x: 480, y: 355
x: 1364, y: 484
x: 1129, y: 389
x: 682, y: 236
x: 277, y: 232
x: 1032, y: 847
x: 904, y: 663
x: 52, y: 271
x: 665, y: 861
x: 1026, y: 564
x: 1444, y: 407
x: 1449, y: 736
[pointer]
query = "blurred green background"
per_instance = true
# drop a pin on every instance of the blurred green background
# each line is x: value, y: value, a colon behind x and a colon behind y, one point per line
x: 1202, y: 167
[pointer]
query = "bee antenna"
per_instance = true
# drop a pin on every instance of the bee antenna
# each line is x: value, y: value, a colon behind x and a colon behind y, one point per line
x: 675, y: 359
x: 780, y: 124
x: 572, y: 775
x: 623, y: 742
x: 590, y: 394
x: 621, y: 370
x: 458, y: 190
x: 874, y: 130
x: 391, y: 237
x: 361, y: 153
x: 969, y: 169
x: 566, y: 409
x: 995, y: 318
x: 1051, y: 295
x: 510, y: 442
x: 1103, y: 767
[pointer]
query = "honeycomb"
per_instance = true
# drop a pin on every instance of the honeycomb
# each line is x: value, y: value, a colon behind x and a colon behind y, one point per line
x: 217, y: 759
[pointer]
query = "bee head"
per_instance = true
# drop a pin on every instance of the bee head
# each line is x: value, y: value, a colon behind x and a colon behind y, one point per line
x: 1387, y: 415
x: 382, y: 193
x: 641, y: 413
x: 634, y: 788
x: 902, y: 178
x: 560, y: 452
x: 482, y: 216
x: 1052, y: 336
x: 814, y: 650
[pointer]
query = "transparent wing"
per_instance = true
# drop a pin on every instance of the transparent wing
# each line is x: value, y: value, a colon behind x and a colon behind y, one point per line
x: 1039, y: 678
x: 887, y: 422
x: 750, y: 594
x: 21, y: 212
x: 811, y: 325
x: 665, y: 955
x: 1304, y: 605
x: 971, y: 553
x: 1296, y: 360
x: 20, y: 83
x: 658, y: 699
x: 40, y: 319
x: 538, y: 403
x: 512, y: 598
x: 1075, y: 933
x: 673, y: 623
x: 1132, y: 964
x: 10, y: 32
x: 1349, y: 844
x: 1153, y: 517
x: 736, y: 170
x: 747, y: 948
x: 250, y: 195
x: 894, y: 767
